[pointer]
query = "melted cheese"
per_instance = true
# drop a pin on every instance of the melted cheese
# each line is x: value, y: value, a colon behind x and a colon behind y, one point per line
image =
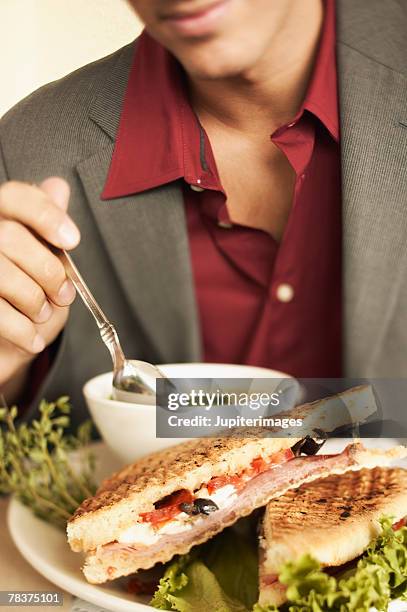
x: 222, y: 497
x: 140, y: 533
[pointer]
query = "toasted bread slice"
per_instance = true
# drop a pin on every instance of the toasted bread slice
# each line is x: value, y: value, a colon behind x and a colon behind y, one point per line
x: 119, y: 558
x: 332, y: 519
x: 136, y: 488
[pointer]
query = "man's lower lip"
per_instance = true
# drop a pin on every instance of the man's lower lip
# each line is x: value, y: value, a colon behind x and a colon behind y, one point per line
x: 202, y: 23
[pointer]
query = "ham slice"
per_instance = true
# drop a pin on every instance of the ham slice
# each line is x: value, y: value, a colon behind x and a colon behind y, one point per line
x: 114, y: 559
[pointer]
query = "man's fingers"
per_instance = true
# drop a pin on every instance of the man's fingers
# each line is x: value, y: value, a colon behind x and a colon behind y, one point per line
x: 23, y: 293
x: 17, y: 329
x: 34, y: 291
x: 35, y: 260
x: 58, y: 190
x: 32, y: 207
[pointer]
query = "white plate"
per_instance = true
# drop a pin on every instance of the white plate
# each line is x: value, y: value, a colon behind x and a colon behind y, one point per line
x: 46, y: 549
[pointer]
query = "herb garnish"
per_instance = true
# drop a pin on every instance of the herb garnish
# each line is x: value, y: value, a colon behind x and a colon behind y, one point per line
x: 36, y: 464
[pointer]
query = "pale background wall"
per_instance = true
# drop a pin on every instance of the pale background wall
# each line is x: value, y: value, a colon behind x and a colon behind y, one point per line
x: 42, y: 40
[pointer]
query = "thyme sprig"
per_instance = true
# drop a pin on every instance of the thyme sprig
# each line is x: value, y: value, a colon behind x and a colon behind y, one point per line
x: 47, y: 468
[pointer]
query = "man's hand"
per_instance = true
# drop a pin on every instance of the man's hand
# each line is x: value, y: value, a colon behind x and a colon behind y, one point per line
x: 35, y: 293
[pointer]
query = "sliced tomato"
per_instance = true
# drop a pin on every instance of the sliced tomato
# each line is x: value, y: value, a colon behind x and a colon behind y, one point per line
x: 260, y: 465
x: 169, y: 508
x: 222, y: 481
x: 282, y: 456
x: 401, y: 523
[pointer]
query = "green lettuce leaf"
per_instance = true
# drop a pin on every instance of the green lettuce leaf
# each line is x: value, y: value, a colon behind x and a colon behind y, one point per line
x: 221, y: 576
x: 200, y: 591
x: 379, y: 576
x: 258, y: 608
x: 223, y: 579
x: 389, y: 551
x: 174, y: 580
x: 232, y: 557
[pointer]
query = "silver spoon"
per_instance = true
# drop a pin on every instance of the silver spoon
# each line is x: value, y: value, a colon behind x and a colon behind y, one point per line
x: 133, y: 381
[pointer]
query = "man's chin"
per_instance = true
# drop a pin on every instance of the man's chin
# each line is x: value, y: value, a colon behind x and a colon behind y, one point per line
x: 212, y: 66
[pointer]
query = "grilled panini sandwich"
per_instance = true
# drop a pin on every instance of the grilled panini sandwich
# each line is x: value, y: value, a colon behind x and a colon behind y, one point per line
x: 168, y: 502
x: 332, y: 519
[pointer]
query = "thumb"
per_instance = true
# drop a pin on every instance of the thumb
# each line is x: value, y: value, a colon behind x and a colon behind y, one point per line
x: 58, y: 190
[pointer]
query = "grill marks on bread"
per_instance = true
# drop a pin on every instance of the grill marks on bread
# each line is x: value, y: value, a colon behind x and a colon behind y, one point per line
x: 324, y: 501
x: 333, y: 519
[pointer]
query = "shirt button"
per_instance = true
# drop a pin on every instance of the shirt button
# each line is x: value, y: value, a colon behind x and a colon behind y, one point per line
x: 225, y: 225
x: 291, y: 124
x: 284, y: 293
x: 197, y: 187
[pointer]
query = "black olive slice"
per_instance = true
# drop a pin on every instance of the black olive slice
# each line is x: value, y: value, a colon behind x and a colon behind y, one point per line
x: 190, y: 509
x: 205, y: 506
x: 307, y: 446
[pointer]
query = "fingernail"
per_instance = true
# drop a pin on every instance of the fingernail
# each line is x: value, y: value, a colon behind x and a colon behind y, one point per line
x: 45, y: 313
x: 68, y: 234
x: 67, y: 293
x: 38, y: 344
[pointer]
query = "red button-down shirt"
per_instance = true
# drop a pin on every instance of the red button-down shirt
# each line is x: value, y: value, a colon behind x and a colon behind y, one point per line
x: 260, y: 302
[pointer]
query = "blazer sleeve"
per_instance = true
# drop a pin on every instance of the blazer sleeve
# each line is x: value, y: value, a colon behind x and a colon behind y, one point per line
x: 42, y: 366
x: 3, y: 171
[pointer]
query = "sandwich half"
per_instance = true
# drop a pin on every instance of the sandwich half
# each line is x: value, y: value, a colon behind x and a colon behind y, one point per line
x: 170, y: 501
x: 332, y: 519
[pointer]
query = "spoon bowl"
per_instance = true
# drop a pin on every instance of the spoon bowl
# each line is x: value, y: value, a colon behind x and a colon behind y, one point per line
x: 135, y: 382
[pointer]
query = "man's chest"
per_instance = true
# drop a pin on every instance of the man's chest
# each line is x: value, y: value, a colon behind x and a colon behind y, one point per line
x: 258, y: 181
x: 260, y: 300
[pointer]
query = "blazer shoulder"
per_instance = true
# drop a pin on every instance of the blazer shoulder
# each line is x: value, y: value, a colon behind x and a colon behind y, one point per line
x: 56, y: 113
x: 375, y: 28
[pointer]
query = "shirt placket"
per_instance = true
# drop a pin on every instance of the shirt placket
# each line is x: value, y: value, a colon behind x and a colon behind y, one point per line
x: 296, y: 140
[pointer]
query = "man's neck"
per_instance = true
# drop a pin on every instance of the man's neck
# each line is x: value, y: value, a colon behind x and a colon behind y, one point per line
x: 272, y: 91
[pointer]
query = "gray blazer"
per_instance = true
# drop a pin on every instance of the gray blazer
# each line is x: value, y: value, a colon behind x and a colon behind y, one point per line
x: 134, y: 251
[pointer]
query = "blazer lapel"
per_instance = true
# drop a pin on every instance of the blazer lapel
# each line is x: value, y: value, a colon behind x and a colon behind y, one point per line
x: 374, y: 150
x: 146, y: 238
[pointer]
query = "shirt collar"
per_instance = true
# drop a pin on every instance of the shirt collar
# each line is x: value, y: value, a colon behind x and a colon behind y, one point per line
x: 159, y: 138
x: 322, y: 94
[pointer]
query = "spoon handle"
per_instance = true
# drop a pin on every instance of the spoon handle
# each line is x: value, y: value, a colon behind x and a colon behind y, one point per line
x: 107, y: 330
